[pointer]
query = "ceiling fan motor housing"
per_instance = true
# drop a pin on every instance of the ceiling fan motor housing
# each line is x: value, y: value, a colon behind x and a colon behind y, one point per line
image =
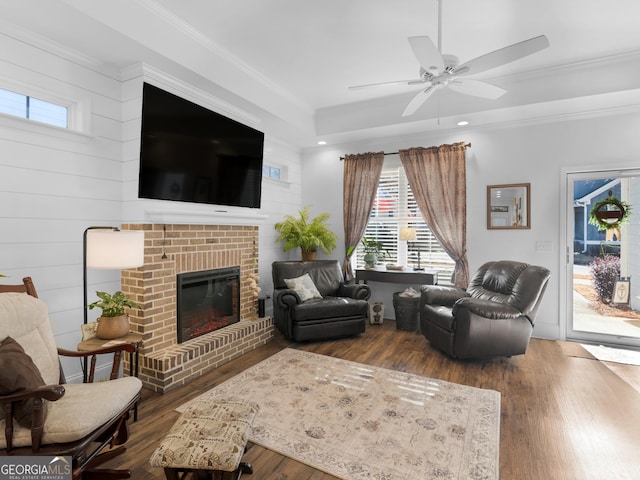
x: 450, y: 62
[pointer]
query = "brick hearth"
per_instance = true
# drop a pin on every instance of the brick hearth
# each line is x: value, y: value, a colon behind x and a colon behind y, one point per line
x: 163, y: 363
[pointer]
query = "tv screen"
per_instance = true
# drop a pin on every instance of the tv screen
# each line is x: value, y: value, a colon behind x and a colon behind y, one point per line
x: 191, y: 154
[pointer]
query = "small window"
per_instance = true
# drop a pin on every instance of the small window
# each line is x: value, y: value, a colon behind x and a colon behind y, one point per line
x: 31, y: 108
x: 271, y: 172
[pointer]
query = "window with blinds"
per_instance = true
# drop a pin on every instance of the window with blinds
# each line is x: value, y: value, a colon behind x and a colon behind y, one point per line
x: 395, y: 208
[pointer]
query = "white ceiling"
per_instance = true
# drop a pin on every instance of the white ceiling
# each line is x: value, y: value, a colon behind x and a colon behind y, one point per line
x: 294, y: 59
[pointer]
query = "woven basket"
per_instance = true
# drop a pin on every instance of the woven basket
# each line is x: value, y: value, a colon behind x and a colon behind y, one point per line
x: 406, y: 309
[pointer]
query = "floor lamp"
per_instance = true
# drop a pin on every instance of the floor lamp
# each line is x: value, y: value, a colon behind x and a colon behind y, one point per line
x: 408, y: 234
x: 110, y: 248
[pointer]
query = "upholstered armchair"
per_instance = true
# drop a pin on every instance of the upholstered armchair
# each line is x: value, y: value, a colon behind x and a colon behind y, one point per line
x: 43, y: 415
x: 311, y: 301
x: 493, y: 317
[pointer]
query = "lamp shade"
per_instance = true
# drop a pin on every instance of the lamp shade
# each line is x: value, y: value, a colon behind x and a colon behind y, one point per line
x: 115, y: 249
x: 408, y: 234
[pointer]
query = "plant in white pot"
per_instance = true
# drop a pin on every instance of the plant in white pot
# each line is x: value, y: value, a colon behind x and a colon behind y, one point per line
x: 114, y: 321
x: 372, y: 250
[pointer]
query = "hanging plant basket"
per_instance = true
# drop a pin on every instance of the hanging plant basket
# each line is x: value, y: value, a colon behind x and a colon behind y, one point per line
x: 609, y: 213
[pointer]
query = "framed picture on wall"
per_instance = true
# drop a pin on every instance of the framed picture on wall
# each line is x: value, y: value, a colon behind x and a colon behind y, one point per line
x: 509, y: 206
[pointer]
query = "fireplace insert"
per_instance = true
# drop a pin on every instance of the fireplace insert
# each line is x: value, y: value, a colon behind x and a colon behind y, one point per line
x: 207, y: 300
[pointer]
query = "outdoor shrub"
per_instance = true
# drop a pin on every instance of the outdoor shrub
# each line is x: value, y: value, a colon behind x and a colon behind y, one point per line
x: 605, y: 271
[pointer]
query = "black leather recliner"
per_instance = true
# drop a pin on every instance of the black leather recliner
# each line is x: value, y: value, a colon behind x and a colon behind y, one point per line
x: 342, y: 311
x: 493, y: 317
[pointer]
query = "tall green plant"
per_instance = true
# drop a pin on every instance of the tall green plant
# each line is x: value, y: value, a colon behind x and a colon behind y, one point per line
x: 305, y: 232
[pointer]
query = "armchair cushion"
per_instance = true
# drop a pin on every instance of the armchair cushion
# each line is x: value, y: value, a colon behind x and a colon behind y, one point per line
x: 329, y: 307
x: 86, y: 407
x: 304, y: 287
x: 18, y: 373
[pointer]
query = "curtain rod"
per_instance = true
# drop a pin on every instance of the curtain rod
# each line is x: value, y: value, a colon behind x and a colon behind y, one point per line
x: 466, y: 145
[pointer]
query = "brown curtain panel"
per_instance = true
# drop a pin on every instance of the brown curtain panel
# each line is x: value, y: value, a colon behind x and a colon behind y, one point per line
x: 437, y: 176
x: 360, y: 183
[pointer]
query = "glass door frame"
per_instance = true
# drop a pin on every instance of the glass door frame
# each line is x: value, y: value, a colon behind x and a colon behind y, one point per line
x: 569, y: 176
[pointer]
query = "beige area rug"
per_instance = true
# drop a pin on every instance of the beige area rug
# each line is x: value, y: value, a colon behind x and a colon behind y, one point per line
x: 355, y: 421
x: 616, y: 355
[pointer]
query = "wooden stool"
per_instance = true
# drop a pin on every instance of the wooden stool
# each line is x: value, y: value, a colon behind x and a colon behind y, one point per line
x: 208, y: 439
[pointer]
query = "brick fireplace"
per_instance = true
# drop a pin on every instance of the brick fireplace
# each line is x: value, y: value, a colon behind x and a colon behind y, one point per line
x: 174, y: 249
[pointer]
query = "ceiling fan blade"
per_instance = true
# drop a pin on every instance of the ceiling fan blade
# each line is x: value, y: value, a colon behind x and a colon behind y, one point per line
x: 417, y: 101
x: 385, y: 84
x: 427, y: 54
x: 476, y: 88
x: 503, y: 56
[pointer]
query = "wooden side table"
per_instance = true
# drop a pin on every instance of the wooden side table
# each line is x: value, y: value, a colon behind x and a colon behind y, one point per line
x: 95, y: 343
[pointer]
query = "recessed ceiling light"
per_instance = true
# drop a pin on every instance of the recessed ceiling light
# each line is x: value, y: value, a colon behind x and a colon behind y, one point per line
x: 462, y: 123
x: 322, y: 142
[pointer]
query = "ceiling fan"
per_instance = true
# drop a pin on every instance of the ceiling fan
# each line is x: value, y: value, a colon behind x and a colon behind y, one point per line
x: 442, y: 71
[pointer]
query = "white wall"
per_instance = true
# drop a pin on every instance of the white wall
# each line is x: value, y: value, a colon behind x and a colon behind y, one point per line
x: 533, y: 154
x: 55, y: 183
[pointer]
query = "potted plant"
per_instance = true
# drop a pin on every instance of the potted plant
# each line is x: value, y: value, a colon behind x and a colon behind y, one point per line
x: 372, y: 249
x: 306, y: 233
x: 114, y: 321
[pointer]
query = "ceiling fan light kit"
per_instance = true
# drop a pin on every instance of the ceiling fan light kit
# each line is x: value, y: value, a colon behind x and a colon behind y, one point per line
x: 443, y: 71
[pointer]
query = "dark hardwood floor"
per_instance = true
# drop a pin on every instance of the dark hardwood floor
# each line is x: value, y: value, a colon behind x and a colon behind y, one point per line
x: 563, y: 416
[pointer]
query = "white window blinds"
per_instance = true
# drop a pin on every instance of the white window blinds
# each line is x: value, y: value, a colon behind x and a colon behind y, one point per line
x: 395, y: 208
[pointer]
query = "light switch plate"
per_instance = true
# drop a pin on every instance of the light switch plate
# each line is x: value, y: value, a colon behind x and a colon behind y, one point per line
x: 544, y: 246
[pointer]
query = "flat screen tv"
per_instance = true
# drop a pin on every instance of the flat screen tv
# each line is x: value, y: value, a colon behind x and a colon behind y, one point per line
x: 189, y: 153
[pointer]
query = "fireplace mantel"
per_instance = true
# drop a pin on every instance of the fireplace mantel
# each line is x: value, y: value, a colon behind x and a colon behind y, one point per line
x: 213, y: 216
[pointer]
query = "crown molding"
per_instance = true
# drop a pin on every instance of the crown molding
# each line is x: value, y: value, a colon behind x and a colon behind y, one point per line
x: 597, y: 63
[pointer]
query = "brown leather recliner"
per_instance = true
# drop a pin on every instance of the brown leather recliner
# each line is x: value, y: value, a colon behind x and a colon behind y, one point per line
x: 493, y: 317
x: 341, y: 310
